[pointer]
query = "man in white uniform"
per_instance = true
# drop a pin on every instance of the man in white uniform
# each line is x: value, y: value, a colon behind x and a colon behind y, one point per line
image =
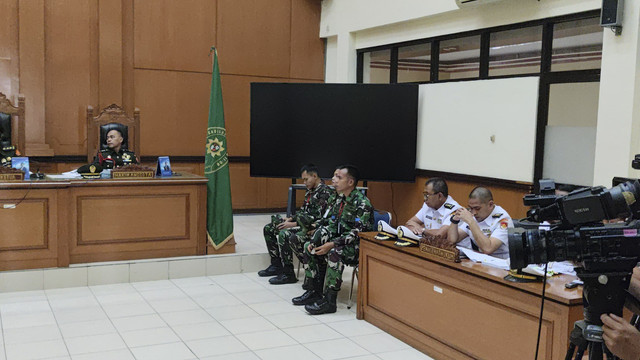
x: 434, y: 217
x: 485, y: 224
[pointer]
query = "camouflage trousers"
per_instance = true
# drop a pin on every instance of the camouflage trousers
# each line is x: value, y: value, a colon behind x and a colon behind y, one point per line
x: 280, y: 243
x: 334, y: 261
x: 291, y: 242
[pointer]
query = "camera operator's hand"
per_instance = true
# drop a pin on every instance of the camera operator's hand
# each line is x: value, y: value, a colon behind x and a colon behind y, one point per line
x: 465, y: 215
x: 620, y: 337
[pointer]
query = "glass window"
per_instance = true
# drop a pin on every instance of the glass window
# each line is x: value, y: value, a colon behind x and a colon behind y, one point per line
x: 414, y: 63
x: 459, y: 58
x: 515, y: 51
x: 577, y: 45
x: 376, y: 67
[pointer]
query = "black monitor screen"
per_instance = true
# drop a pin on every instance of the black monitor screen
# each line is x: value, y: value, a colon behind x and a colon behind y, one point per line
x: 371, y: 126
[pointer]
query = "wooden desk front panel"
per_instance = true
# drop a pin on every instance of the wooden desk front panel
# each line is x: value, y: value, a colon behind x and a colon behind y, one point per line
x: 134, y: 222
x: 451, y: 314
x: 28, y: 231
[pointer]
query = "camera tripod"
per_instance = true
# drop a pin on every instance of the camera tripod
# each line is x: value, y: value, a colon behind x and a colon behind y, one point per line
x: 604, y: 292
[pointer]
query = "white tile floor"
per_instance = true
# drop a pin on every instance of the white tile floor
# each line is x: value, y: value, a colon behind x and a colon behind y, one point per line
x: 233, y: 316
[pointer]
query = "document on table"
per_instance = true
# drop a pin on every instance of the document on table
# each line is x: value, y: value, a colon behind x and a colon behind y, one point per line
x: 485, y: 259
x: 66, y: 175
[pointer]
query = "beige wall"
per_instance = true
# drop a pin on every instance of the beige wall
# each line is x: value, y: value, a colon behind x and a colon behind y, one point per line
x: 154, y: 55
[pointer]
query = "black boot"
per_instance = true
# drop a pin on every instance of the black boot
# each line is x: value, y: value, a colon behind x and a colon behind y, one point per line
x: 286, y: 277
x: 307, y: 284
x: 310, y: 296
x: 326, y: 305
x: 274, y: 269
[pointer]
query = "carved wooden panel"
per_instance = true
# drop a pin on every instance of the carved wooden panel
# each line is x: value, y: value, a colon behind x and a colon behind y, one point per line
x: 175, y: 108
x: 25, y: 227
x: 174, y: 35
x: 254, y: 37
x: 132, y: 218
x: 29, y: 228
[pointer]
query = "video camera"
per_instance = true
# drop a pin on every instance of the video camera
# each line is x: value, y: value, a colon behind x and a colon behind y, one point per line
x: 607, y: 253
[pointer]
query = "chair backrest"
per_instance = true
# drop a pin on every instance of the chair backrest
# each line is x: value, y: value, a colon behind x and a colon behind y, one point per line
x: 12, y: 123
x: 112, y: 117
x: 381, y: 215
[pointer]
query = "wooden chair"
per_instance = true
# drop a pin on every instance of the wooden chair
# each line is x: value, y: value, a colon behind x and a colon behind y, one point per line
x: 112, y: 117
x: 12, y: 121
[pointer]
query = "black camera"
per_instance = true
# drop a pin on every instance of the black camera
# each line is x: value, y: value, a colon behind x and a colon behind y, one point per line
x: 574, y: 230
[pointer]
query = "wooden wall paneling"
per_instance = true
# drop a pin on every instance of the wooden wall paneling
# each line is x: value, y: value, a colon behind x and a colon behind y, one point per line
x: 110, y: 52
x: 128, y: 93
x: 72, y: 72
x: 277, y: 193
x: 9, y: 60
x: 253, y: 37
x: 236, y: 93
x: 174, y: 35
x: 174, y: 110
x: 307, y: 48
x: 246, y: 192
x: 31, y: 38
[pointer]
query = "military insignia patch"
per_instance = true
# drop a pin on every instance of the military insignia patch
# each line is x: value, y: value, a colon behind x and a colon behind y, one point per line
x: 497, y: 215
x: 504, y: 224
x: 126, y: 157
x: 92, y: 168
x: 448, y: 206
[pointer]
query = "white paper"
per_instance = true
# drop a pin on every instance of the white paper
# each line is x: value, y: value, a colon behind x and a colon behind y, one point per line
x: 485, y: 259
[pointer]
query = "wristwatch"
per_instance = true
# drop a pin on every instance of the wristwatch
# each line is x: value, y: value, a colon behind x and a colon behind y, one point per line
x: 456, y: 222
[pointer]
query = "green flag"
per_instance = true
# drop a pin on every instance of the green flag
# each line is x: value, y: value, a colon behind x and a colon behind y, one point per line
x: 216, y: 167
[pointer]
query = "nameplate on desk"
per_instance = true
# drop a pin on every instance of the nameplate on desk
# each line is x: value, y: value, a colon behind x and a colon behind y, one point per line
x: 22, y: 164
x: 450, y: 255
x: 164, y: 166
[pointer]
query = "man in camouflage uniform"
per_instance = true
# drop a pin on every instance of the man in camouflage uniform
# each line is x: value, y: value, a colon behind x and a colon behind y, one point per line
x: 287, y: 236
x: 115, y: 155
x: 335, y: 241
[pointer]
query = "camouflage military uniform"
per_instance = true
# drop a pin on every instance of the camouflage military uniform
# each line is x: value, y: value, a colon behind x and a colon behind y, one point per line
x: 345, y: 218
x: 120, y: 158
x: 281, y: 243
x: 6, y: 154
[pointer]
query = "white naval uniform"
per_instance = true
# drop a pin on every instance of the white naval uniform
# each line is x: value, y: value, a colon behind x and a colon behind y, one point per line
x: 435, y: 219
x: 495, y: 225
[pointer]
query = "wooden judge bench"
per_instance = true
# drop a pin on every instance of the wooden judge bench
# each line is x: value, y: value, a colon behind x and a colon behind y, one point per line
x: 461, y: 310
x: 54, y: 223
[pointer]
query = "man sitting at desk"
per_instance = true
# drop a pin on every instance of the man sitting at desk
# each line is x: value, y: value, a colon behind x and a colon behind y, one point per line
x: 485, y: 223
x: 281, y: 237
x: 115, y: 155
x: 7, y: 151
x: 434, y: 217
x: 335, y: 241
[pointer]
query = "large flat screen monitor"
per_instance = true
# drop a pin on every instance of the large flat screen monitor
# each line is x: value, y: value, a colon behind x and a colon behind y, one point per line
x: 371, y: 126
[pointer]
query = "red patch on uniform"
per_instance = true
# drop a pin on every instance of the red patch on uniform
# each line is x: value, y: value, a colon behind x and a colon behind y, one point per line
x: 504, y: 224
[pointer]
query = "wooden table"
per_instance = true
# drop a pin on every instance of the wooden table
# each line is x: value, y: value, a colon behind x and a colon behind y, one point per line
x: 54, y: 223
x: 461, y: 310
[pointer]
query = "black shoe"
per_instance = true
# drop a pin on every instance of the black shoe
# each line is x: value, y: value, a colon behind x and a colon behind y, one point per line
x: 284, y: 278
x: 307, y: 284
x: 326, y: 305
x: 272, y: 270
x: 309, y: 297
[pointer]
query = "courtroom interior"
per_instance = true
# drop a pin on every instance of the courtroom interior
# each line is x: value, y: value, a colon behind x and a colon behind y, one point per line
x: 318, y: 179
